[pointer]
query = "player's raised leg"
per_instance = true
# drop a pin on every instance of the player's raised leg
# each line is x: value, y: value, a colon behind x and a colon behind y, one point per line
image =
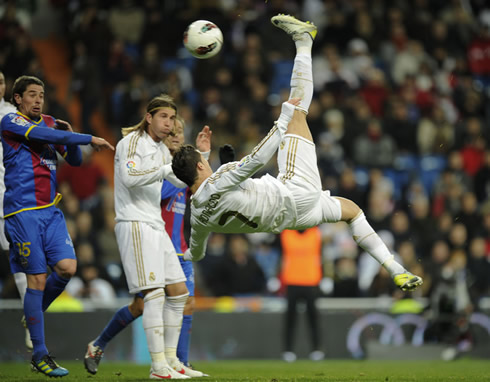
x: 303, y: 33
x: 333, y: 208
x: 369, y: 240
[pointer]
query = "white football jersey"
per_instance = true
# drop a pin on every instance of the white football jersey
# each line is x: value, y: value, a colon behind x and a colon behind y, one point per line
x: 230, y: 202
x: 140, y: 165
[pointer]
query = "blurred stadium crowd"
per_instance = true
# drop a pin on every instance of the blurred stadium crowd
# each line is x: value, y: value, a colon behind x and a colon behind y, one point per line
x: 400, y: 116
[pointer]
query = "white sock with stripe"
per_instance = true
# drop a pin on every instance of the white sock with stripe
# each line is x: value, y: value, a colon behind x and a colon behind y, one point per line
x: 21, y: 283
x: 302, y: 80
x: 173, y: 314
x: 368, y: 239
x: 153, y: 326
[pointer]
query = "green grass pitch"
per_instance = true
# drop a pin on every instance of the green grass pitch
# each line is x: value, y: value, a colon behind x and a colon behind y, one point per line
x: 463, y: 370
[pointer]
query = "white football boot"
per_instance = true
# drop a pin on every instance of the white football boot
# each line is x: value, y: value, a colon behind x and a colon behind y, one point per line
x: 166, y: 373
x: 185, y: 370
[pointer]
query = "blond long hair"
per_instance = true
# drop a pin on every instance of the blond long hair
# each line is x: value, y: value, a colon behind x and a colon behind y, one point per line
x: 163, y: 100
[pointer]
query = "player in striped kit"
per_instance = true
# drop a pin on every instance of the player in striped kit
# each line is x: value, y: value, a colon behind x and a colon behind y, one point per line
x: 230, y: 201
x: 35, y: 228
x: 19, y: 277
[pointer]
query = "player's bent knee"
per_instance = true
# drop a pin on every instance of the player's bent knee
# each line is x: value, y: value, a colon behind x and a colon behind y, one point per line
x: 66, y: 268
x: 136, y: 307
x: 177, y: 289
x: 299, y: 126
x: 350, y: 210
x: 37, y: 281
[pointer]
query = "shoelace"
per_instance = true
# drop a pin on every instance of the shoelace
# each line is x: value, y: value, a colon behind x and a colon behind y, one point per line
x: 98, y: 353
x: 49, y: 359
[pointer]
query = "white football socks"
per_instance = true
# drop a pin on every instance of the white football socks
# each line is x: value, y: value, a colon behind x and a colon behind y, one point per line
x: 303, y: 43
x: 173, y: 313
x: 20, y: 279
x: 153, y: 326
x: 302, y: 79
x: 368, y: 239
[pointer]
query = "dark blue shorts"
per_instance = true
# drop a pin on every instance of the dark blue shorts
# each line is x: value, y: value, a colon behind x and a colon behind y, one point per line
x: 38, y: 239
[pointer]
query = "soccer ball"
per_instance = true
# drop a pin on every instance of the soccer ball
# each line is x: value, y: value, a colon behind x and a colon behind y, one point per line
x: 203, y: 39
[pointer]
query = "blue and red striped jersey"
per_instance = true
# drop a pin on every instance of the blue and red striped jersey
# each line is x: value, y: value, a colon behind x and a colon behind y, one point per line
x: 173, y: 210
x: 30, y: 160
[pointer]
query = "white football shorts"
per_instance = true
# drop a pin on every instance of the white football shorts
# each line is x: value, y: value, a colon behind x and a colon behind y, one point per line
x: 298, y: 170
x: 148, y: 256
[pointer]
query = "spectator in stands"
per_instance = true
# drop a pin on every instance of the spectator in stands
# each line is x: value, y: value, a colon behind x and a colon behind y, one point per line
x: 349, y: 188
x: 435, y: 135
x: 338, y: 32
x: 473, y: 154
x: 399, y: 126
x: 90, y: 286
x: 485, y: 229
x: 400, y: 227
x: 119, y: 65
x: 469, y: 215
x: 85, y: 82
x: 456, y: 166
x: 439, y: 255
x: 84, y: 181
x: 478, y: 268
x: 444, y: 223
x: 215, y: 253
x: 379, y: 199
x: 238, y: 273
x: 374, y: 148
x: 345, y: 279
x: 447, y: 194
x: 479, y: 60
x: 422, y: 225
x: 408, y: 254
x: 126, y: 20
x: 375, y: 91
x: 458, y: 237
x: 365, y: 28
x: 482, y: 180
x: 358, y: 58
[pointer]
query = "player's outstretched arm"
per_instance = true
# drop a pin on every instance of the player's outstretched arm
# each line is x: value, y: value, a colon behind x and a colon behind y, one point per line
x: 100, y: 143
